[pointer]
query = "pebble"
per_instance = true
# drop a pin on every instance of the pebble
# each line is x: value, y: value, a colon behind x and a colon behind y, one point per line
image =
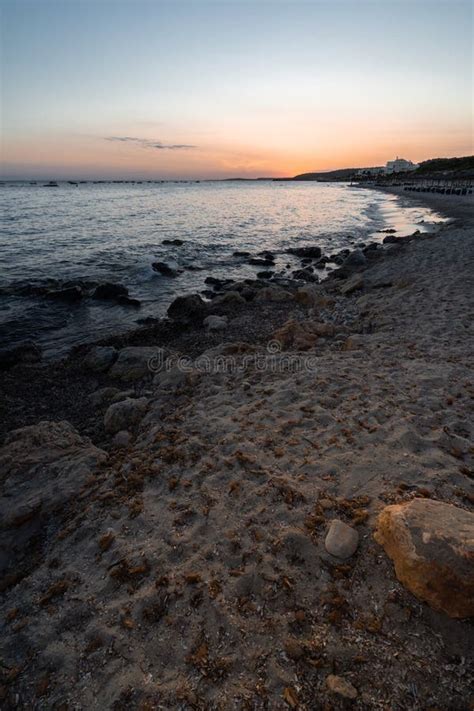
x: 339, y: 685
x: 341, y: 540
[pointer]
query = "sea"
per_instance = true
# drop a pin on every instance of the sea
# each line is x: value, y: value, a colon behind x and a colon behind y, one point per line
x: 100, y: 232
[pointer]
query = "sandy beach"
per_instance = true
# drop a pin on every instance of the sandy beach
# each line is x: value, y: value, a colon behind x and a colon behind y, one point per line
x: 164, y: 529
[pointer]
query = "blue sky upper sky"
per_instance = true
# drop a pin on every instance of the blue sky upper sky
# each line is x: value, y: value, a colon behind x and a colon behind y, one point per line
x: 210, y: 89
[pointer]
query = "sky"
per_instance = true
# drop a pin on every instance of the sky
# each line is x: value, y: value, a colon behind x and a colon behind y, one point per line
x: 195, y: 89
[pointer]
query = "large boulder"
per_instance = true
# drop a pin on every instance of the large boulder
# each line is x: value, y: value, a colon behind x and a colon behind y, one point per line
x: 187, y: 308
x: 432, y: 547
x: 42, y: 468
x: 137, y: 362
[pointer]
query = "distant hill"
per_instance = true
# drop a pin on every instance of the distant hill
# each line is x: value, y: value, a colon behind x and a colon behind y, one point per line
x: 342, y: 174
x: 447, y: 167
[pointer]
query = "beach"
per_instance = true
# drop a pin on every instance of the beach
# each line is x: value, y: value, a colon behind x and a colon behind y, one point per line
x: 167, y: 494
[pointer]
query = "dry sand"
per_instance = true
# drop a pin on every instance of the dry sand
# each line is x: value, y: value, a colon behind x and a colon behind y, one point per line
x: 188, y: 570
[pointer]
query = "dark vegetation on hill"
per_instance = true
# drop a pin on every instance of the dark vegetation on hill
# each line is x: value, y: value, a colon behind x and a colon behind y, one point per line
x: 451, y: 167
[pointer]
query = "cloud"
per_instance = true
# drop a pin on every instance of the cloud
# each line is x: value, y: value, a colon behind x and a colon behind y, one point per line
x: 147, y: 143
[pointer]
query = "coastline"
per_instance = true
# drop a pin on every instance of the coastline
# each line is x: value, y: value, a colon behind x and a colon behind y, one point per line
x: 192, y: 556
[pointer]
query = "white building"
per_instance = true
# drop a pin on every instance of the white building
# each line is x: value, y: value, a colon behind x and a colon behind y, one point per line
x: 400, y: 165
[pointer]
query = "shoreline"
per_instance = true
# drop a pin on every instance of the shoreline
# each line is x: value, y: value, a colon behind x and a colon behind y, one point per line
x: 180, y: 559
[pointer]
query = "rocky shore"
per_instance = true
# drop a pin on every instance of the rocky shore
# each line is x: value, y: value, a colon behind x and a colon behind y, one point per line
x: 262, y: 502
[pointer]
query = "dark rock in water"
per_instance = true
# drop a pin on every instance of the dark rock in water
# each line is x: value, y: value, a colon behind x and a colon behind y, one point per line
x: 70, y: 294
x: 193, y: 268
x: 261, y: 262
x: 355, y: 259
x: 110, y: 291
x: 213, y: 281
x: 26, y: 352
x: 391, y: 239
x: 264, y: 275
x: 187, y: 308
x: 304, y: 275
x: 241, y: 254
x: 127, y: 301
x: 269, y: 256
x: 370, y: 247
x: 321, y: 263
x: 306, y: 260
x: 313, y: 252
x: 209, y: 294
x: 165, y: 269
x: 175, y: 242
x: 389, y: 231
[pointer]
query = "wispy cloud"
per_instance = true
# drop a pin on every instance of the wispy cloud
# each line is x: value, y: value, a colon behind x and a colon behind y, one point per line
x: 148, y: 143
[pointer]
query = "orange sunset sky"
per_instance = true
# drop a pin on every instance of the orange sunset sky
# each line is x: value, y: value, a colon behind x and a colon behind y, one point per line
x: 220, y: 89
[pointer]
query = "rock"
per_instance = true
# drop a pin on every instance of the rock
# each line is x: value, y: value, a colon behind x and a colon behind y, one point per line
x: 26, y: 352
x: 342, y: 687
x: 187, y: 308
x: 110, y: 291
x: 273, y: 293
x: 122, y: 439
x: 432, y: 547
x: 312, y: 252
x: 388, y: 231
x: 300, y: 335
x: 354, y: 342
x: 136, y: 362
x: 175, y: 242
x: 390, y: 239
x: 309, y: 295
x: 103, y: 396
x: 215, y: 323
x: 231, y: 298
x: 257, y: 261
x: 355, y: 259
x: 353, y: 284
x: 304, y: 275
x: 173, y: 379
x: 42, y: 468
x: 341, y: 540
x: 100, y: 358
x: 165, y: 269
x: 125, y: 415
x: 127, y: 301
x: 372, y: 247
x: 213, y: 281
x: 70, y: 294
x: 264, y: 275
x: 241, y: 254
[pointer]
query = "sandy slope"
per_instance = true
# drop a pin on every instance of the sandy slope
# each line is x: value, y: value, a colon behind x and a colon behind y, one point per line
x: 192, y: 567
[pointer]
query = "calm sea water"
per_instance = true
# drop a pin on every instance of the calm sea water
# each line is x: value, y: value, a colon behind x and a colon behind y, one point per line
x: 113, y: 232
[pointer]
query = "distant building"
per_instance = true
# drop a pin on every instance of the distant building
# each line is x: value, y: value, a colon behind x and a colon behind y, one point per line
x: 378, y: 170
x: 399, y: 165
